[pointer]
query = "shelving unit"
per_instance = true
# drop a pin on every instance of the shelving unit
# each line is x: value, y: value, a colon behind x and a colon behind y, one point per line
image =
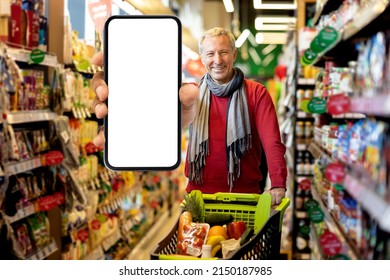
x: 360, y: 188
x: 371, y: 17
x: 333, y: 225
x: 23, y: 55
x: 22, y: 166
x: 30, y: 116
x: 44, y: 252
x: 324, y: 7
x: 300, y: 148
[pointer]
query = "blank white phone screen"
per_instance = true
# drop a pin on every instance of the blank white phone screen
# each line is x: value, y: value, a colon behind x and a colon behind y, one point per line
x: 143, y: 72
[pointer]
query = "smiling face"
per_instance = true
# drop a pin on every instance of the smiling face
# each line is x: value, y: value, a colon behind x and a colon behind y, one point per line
x: 218, y: 56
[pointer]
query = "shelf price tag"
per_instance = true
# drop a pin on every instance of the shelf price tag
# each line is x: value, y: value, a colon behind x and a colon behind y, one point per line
x: 311, y: 203
x: 330, y: 243
x: 316, y: 215
x: 338, y: 104
x: 54, y: 158
x: 335, y: 172
x: 304, y: 230
x: 326, y: 38
x: 304, y: 184
x: 82, y: 65
x: 317, y: 105
x: 308, y: 57
x: 50, y: 201
x: 37, y: 56
x: 96, y: 224
x: 82, y: 235
x: 316, y: 45
x: 304, y: 104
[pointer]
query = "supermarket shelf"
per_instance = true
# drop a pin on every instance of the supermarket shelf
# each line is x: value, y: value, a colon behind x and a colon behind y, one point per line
x: 304, y: 115
x: 98, y: 252
x: 23, y: 55
x: 44, y: 252
x: 111, y: 240
x: 302, y: 146
x: 290, y: 157
x: 332, y: 224
x: 378, y: 105
x: 22, y: 213
x: 30, y: 116
x: 95, y: 254
x: 364, y: 17
x: 22, y: 166
x: 300, y: 214
x: 319, y: 154
x: 154, y: 235
x: 362, y: 189
x: 302, y: 256
x: 372, y: 202
x: 324, y: 8
x: 303, y: 142
x: 315, y: 246
x: 303, y: 176
x: 349, y: 116
x: 306, y: 82
x: 322, y: 55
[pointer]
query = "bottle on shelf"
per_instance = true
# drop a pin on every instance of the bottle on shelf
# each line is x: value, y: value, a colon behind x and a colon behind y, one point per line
x: 303, y: 237
x: 299, y: 199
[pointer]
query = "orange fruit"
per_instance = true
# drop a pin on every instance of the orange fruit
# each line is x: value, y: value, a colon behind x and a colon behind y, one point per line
x: 217, y: 230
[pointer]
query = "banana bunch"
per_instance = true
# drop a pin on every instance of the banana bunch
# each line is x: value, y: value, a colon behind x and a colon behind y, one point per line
x: 215, y: 242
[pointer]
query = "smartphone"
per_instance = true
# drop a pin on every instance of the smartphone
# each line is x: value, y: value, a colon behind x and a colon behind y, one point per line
x: 143, y: 72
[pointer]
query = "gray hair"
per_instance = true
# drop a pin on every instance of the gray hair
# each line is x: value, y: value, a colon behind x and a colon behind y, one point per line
x: 217, y: 31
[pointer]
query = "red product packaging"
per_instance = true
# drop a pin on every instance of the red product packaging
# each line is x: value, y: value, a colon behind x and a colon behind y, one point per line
x: 15, y: 25
x: 32, y: 34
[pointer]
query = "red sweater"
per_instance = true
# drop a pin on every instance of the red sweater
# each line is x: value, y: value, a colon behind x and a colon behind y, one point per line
x: 265, y: 130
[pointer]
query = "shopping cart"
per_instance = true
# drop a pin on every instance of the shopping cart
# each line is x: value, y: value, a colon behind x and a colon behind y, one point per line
x: 254, y: 209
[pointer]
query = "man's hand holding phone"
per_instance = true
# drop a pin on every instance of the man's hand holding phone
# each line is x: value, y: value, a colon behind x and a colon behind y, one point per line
x: 188, y: 95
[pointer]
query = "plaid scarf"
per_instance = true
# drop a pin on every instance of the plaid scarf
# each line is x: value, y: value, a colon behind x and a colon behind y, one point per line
x: 238, y: 130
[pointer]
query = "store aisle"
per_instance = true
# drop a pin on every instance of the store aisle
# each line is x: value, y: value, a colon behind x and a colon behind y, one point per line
x: 160, y: 230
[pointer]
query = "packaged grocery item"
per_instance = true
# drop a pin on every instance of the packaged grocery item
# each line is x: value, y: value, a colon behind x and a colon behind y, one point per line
x: 339, y: 80
x: 377, y: 59
x: 192, y: 239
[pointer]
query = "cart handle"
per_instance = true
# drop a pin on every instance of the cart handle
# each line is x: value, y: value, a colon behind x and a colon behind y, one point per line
x: 228, y: 197
x: 282, y: 208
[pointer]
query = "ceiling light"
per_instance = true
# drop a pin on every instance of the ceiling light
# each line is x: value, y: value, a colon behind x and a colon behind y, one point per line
x: 258, y: 4
x: 268, y: 59
x: 281, y: 27
x: 255, y: 56
x: 260, y: 20
x: 271, y: 38
x: 268, y: 49
x: 241, y: 39
x: 252, y: 40
x: 228, y: 6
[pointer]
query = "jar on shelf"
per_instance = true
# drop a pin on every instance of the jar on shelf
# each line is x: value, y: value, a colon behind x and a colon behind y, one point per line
x: 299, y: 129
x: 308, y: 94
x: 308, y: 132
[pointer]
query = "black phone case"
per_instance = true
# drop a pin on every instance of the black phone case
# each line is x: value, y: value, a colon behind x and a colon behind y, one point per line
x: 179, y: 77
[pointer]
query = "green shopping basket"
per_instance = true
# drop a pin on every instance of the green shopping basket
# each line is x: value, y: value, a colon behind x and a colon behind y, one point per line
x: 254, y: 209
